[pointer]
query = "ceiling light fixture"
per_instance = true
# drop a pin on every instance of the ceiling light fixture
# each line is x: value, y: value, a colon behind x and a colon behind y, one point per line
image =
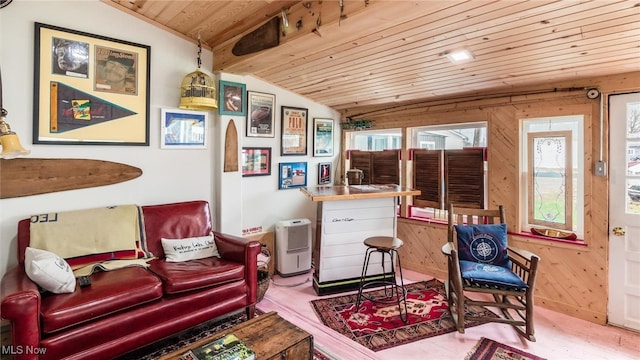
x: 459, y: 56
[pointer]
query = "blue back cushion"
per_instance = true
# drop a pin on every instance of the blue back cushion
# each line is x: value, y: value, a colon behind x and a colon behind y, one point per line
x: 485, y: 244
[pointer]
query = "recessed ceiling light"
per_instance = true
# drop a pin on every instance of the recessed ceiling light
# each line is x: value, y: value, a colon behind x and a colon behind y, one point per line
x: 458, y: 56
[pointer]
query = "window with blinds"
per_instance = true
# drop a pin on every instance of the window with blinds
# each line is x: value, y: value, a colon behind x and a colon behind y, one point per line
x: 447, y: 164
x: 428, y: 178
x: 449, y: 176
x: 379, y: 167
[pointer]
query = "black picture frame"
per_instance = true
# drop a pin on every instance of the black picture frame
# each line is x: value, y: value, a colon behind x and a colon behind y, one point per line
x: 261, y: 116
x: 324, y: 173
x: 323, y: 137
x: 293, y: 136
x: 82, y: 80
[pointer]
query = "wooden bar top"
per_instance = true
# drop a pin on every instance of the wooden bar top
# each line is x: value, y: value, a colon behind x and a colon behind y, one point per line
x: 352, y: 192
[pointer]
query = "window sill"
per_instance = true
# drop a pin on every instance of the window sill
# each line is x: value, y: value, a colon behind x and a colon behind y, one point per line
x: 525, y: 235
x: 425, y: 220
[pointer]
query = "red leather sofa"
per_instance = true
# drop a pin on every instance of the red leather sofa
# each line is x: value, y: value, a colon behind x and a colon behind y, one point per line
x: 129, y: 308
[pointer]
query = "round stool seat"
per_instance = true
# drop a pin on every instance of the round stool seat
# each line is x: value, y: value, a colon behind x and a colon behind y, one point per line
x: 383, y: 242
x: 394, y: 292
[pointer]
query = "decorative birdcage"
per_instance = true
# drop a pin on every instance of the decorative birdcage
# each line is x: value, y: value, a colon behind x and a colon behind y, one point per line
x: 198, y: 90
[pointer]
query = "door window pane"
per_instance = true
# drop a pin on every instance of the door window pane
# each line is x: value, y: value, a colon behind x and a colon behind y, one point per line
x: 633, y: 158
x: 633, y: 196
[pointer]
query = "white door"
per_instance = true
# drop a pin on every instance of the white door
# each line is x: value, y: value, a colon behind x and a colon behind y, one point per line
x: 624, y: 211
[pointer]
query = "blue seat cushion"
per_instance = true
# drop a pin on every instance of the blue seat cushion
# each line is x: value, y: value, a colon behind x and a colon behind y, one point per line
x: 483, y: 243
x: 490, y: 275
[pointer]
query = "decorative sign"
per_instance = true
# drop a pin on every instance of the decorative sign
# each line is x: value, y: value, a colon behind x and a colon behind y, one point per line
x: 260, y: 114
x: 322, y: 137
x: 294, y: 131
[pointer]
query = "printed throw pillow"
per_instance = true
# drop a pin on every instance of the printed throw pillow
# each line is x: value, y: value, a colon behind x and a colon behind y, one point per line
x: 177, y: 250
x: 483, y: 243
x: 49, y: 271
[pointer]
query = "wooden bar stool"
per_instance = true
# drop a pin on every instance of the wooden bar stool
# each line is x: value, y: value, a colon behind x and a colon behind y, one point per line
x: 385, y: 245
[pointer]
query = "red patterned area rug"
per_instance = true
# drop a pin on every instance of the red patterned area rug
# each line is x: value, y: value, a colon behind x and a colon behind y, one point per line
x: 487, y: 349
x: 378, y: 326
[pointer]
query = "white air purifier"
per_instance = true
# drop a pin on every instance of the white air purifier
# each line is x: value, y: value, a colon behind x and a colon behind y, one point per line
x: 293, y: 247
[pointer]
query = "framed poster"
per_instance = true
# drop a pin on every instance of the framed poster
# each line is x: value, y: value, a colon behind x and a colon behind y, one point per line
x: 256, y: 161
x: 232, y: 98
x: 184, y: 129
x: 89, y: 89
x: 324, y: 173
x: 292, y: 175
x: 322, y: 137
x: 293, y: 140
x: 261, y: 117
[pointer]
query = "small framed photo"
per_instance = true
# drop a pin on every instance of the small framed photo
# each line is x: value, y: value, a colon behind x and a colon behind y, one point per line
x: 232, y: 99
x: 256, y: 161
x: 184, y: 129
x: 292, y: 175
x: 261, y: 117
x: 322, y: 137
x: 324, y: 173
x: 293, y: 140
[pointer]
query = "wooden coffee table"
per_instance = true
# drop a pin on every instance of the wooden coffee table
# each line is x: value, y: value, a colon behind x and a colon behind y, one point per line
x: 268, y: 335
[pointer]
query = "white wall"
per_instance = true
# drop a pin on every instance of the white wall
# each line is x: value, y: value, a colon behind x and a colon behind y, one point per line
x: 264, y: 204
x: 168, y: 175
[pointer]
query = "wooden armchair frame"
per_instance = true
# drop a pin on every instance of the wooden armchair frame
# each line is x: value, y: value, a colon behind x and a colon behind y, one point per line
x: 516, y: 305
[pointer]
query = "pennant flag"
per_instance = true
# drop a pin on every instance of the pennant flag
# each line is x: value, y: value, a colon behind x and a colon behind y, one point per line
x: 72, y: 109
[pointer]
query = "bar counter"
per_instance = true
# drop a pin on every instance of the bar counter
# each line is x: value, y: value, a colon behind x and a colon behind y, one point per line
x: 347, y: 215
x: 328, y: 193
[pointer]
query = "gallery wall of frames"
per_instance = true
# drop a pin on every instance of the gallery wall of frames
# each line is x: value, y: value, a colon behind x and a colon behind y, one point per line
x: 299, y: 135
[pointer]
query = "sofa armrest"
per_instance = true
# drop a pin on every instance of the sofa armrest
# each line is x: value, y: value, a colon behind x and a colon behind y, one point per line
x: 243, y: 251
x: 21, y: 305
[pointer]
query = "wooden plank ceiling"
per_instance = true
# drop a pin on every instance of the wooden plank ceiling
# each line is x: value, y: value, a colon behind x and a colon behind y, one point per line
x: 367, y: 54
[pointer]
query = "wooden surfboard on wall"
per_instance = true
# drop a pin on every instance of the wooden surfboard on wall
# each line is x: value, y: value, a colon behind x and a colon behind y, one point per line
x: 231, y: 148
x: 264, y: 37
x: 28, y: 176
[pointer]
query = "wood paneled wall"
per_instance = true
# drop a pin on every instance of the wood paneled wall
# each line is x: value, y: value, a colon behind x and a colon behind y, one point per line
x: 573, y: 279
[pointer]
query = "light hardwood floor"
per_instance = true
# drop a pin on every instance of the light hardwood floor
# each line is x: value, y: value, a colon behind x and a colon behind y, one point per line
x: 558, y: 336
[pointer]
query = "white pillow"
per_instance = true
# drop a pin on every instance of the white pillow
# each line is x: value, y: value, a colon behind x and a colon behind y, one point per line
x: 49, y: 270
x: 201, y: 247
